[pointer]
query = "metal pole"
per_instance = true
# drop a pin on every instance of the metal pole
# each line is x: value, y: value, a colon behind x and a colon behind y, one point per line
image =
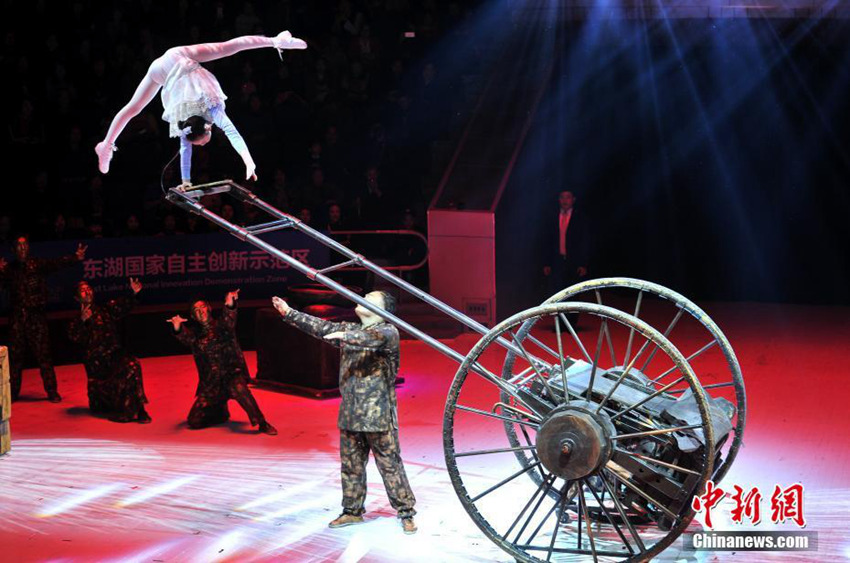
x: 187, y: 199
x: 395, y: 280
x: 245, y: 235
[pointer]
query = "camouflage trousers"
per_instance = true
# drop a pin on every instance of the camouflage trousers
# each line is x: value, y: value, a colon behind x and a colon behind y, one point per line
x: 30, y: 331
x: 354, y: 450
x: 115, y: 386
x: 207, y: 411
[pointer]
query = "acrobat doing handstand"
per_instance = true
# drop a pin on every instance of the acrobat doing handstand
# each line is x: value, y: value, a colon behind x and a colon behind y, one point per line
x: 192, y: 98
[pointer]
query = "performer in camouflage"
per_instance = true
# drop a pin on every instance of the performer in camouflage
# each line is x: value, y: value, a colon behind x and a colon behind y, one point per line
x: 115, y: 385
x: 368, y: 419
x: 222, y: 372
x: 26, y: 280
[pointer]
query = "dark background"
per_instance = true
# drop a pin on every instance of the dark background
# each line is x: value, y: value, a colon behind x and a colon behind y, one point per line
x: 711, y: 156
x: 707, y: 155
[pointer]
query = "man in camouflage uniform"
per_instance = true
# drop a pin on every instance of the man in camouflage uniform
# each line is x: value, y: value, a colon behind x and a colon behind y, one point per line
x: 367, y: 416
x: 26, y: 280
x: 222, y: 372
x: 115, y: 385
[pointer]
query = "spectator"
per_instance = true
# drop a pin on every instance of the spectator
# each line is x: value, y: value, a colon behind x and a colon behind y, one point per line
x: 169, y: 226
x: 306, y: 216
x: 132, y: 227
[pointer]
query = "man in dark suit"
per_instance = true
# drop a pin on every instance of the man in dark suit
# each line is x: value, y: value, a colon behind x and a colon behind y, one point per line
x: 566, y: 244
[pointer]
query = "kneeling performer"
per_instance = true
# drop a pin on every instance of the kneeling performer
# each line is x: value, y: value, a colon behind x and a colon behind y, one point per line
x: 115, y: 385
x: 367, y: 417
x: 222, y: 372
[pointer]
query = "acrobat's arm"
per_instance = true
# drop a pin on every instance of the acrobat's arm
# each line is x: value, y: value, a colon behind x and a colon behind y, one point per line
x: 185, y: 160
x: 220, y: 118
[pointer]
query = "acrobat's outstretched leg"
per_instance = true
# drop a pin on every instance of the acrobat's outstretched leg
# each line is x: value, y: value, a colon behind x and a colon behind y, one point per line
x: 143, y: 95
x: 206, y: 52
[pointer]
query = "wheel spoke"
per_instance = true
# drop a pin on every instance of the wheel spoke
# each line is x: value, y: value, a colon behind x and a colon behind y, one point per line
x: 622, y: 512
x: 647, y: 398
x: 666, y: 334
x: 504, y: 482
x: 545, y: 483
x: 533, y: 452
x: 515, y: 380
x: 657, y: 461
x: 640, y: 492
x: 536, y: 370
x: 625, y: 423
x: 656, y: 432
x: 595, y: 363
x: 578, y: 529
x: 609, y: 517
x: 516, y: 410
x: 494, y: 451
x: 555, y: 505
x: 503, y: 385
x: 561, y: 360
x: 583, y: 505
x: 558, y: 521
x: 632, y: 328
x: 578, y: 341
x: 541, y: 345
x: 534, y: 510
x: 712, y: 386
x: 688, y: 359
x: 496, y: 416
x: 607, y: 333
x: 622, y: 377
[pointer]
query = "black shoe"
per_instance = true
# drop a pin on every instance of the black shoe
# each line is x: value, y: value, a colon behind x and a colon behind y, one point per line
x: 144, y: 417
x: 54, y: 397
x: 266, y: 428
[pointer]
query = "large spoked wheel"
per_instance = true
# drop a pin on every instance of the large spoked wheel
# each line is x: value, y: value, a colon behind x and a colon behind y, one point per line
x: 615, y: 463
x: 678, y: 318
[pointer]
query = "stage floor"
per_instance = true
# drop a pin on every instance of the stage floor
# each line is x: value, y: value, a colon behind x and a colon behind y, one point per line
x: 78, y: 488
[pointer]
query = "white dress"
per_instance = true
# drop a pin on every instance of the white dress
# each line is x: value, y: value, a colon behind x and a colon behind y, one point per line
x: 187, y: 88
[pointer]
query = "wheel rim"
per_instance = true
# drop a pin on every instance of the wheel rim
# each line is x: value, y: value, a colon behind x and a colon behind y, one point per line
x: 582, y: 449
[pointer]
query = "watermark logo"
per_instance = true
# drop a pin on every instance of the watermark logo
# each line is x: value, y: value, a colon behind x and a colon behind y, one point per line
x: 751, y: 541
x: 786, y: 505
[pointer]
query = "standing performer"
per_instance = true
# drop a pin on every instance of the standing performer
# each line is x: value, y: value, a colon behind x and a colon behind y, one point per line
x: 115, y: 385
x: 566, y: 259
x: 222, y: 372
x: 25, y: 278
x: 192, y: 98
x: 368, y: 418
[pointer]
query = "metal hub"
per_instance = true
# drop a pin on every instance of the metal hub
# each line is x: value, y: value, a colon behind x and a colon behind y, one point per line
x: 574, y: 442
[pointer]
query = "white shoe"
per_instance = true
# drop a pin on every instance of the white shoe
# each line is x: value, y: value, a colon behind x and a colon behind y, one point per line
x: 104, y: 152
x: 284, y: 40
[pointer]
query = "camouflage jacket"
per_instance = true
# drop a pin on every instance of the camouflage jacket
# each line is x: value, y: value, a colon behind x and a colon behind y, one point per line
x: 367, y: 372
x: 218, y: 357
x: 99, y: 335
x: 27, y: 281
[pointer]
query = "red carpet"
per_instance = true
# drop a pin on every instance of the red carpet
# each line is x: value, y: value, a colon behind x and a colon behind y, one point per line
x: 78, y: 488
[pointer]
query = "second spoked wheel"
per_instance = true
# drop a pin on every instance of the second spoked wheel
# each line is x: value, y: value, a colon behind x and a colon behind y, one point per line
x: 614, y: 467
x: 686, y: 326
